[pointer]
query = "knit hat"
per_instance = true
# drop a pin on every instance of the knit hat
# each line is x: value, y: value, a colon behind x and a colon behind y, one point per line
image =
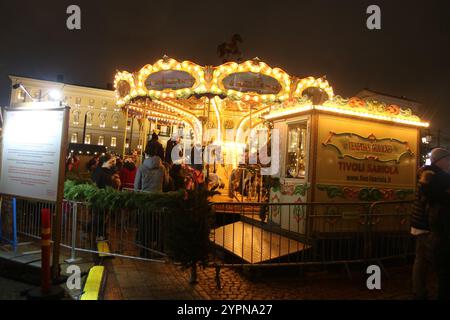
x: 438, y: 154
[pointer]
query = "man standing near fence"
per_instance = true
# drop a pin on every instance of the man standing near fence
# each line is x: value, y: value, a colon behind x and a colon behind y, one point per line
x: 430, y: 225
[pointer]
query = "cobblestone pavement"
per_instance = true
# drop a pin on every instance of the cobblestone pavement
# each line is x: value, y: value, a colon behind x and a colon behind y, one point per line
x: 12, y: 290
x: 143, y: 280
x: 278, y: 285
x: 138, y: 280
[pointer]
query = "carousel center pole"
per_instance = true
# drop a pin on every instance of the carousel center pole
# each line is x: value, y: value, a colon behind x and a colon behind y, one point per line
x: 207, y: 164
x: 125, y: 133
x: 140, y: 140
x: 145, y: 133
x: 131, y: 135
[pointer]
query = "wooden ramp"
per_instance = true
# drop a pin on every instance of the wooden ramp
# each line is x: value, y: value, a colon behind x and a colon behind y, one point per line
x: 253, y: 244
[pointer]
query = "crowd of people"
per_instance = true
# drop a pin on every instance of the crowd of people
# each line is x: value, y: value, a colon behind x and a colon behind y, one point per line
x: 156, y: 173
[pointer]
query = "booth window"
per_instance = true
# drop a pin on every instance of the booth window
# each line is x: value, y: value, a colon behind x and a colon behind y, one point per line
x: 113, y: 141
x: 87, y: 139
x: 74, y: 138
x: 296, y: 151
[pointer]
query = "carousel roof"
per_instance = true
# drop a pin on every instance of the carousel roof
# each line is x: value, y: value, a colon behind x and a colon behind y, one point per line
x: 174, y: 91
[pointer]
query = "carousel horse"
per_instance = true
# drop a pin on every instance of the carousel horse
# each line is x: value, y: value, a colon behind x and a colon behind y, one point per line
x: 228, y: 50
x: 215, y: 182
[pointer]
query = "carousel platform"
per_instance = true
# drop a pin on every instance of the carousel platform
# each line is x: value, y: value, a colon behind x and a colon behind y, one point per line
x: 254, y: 244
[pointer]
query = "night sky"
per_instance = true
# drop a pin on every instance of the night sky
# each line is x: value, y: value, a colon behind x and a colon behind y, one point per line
x: 408, y: 57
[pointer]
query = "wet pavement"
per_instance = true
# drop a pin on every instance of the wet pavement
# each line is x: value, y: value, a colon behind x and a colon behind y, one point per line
x: 137, y: 280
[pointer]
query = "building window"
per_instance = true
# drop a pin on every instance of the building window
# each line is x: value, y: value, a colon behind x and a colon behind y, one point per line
x: 129, y: 124
x: 102, y: 117
x: 91, y: 103
x: 127, y: 143
x: 113, y: 141
x: 101, y: 140
x: 87, y: 139
x: 115, y: 119
x: 296, y: 151
x: 36, y: 94
x: 78, y: 102
x: 105, y: 105
x: 76, y: 117
x: 74, y: 138
x: 21, y: 95
x: 89, y: 118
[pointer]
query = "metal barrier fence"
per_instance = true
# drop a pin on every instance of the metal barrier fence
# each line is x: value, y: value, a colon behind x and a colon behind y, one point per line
x: 244, y: 234
x: 134, y: 233
x: 256, y: 234
x: 8, y: 221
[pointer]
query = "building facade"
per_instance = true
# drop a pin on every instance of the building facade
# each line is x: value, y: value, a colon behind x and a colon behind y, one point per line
x: 105, y: 122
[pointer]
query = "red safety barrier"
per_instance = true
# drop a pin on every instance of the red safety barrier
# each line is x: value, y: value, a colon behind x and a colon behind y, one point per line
x: 45, y: 251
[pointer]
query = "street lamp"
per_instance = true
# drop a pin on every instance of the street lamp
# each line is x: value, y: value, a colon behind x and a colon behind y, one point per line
x: 20, y: 86
x: 55, y: 95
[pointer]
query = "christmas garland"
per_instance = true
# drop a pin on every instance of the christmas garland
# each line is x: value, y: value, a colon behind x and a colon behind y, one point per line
x: 112, y: 199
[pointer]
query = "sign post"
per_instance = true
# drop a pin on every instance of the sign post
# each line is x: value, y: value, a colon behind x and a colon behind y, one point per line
x: 35, y: 137
x: 60, y: 195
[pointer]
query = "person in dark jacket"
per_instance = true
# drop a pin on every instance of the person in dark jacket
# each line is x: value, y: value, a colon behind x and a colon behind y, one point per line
x: 156, y: 146
x: 92, y: 164
x: 178, y: 177
x: 169, y: 147
x: 431, y: 210
x: 102, y: 175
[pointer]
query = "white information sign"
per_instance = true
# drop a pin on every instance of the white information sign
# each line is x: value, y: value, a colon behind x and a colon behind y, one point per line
x: 31, y: 152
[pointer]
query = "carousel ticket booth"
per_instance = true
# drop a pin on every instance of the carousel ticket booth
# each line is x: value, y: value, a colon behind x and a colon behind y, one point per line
x: 330, y: 149
x: 343, y: 150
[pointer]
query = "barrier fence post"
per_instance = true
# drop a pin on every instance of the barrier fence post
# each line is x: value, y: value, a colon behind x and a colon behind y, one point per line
x: 45, y: 251
x: 46, y: 291
x: 73, y: 257
x: 14, y: 239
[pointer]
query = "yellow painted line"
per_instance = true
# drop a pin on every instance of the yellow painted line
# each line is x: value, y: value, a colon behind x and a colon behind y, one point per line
x: 102, y: 248
x: 93, y: 283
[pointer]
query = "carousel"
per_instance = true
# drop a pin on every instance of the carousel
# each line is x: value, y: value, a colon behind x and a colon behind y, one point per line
x: 219, y: 106
x: 225, y: 106
x: 329, y: 149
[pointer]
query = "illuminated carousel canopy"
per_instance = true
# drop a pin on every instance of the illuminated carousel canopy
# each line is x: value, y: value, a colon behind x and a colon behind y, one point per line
x: 236, y: 96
